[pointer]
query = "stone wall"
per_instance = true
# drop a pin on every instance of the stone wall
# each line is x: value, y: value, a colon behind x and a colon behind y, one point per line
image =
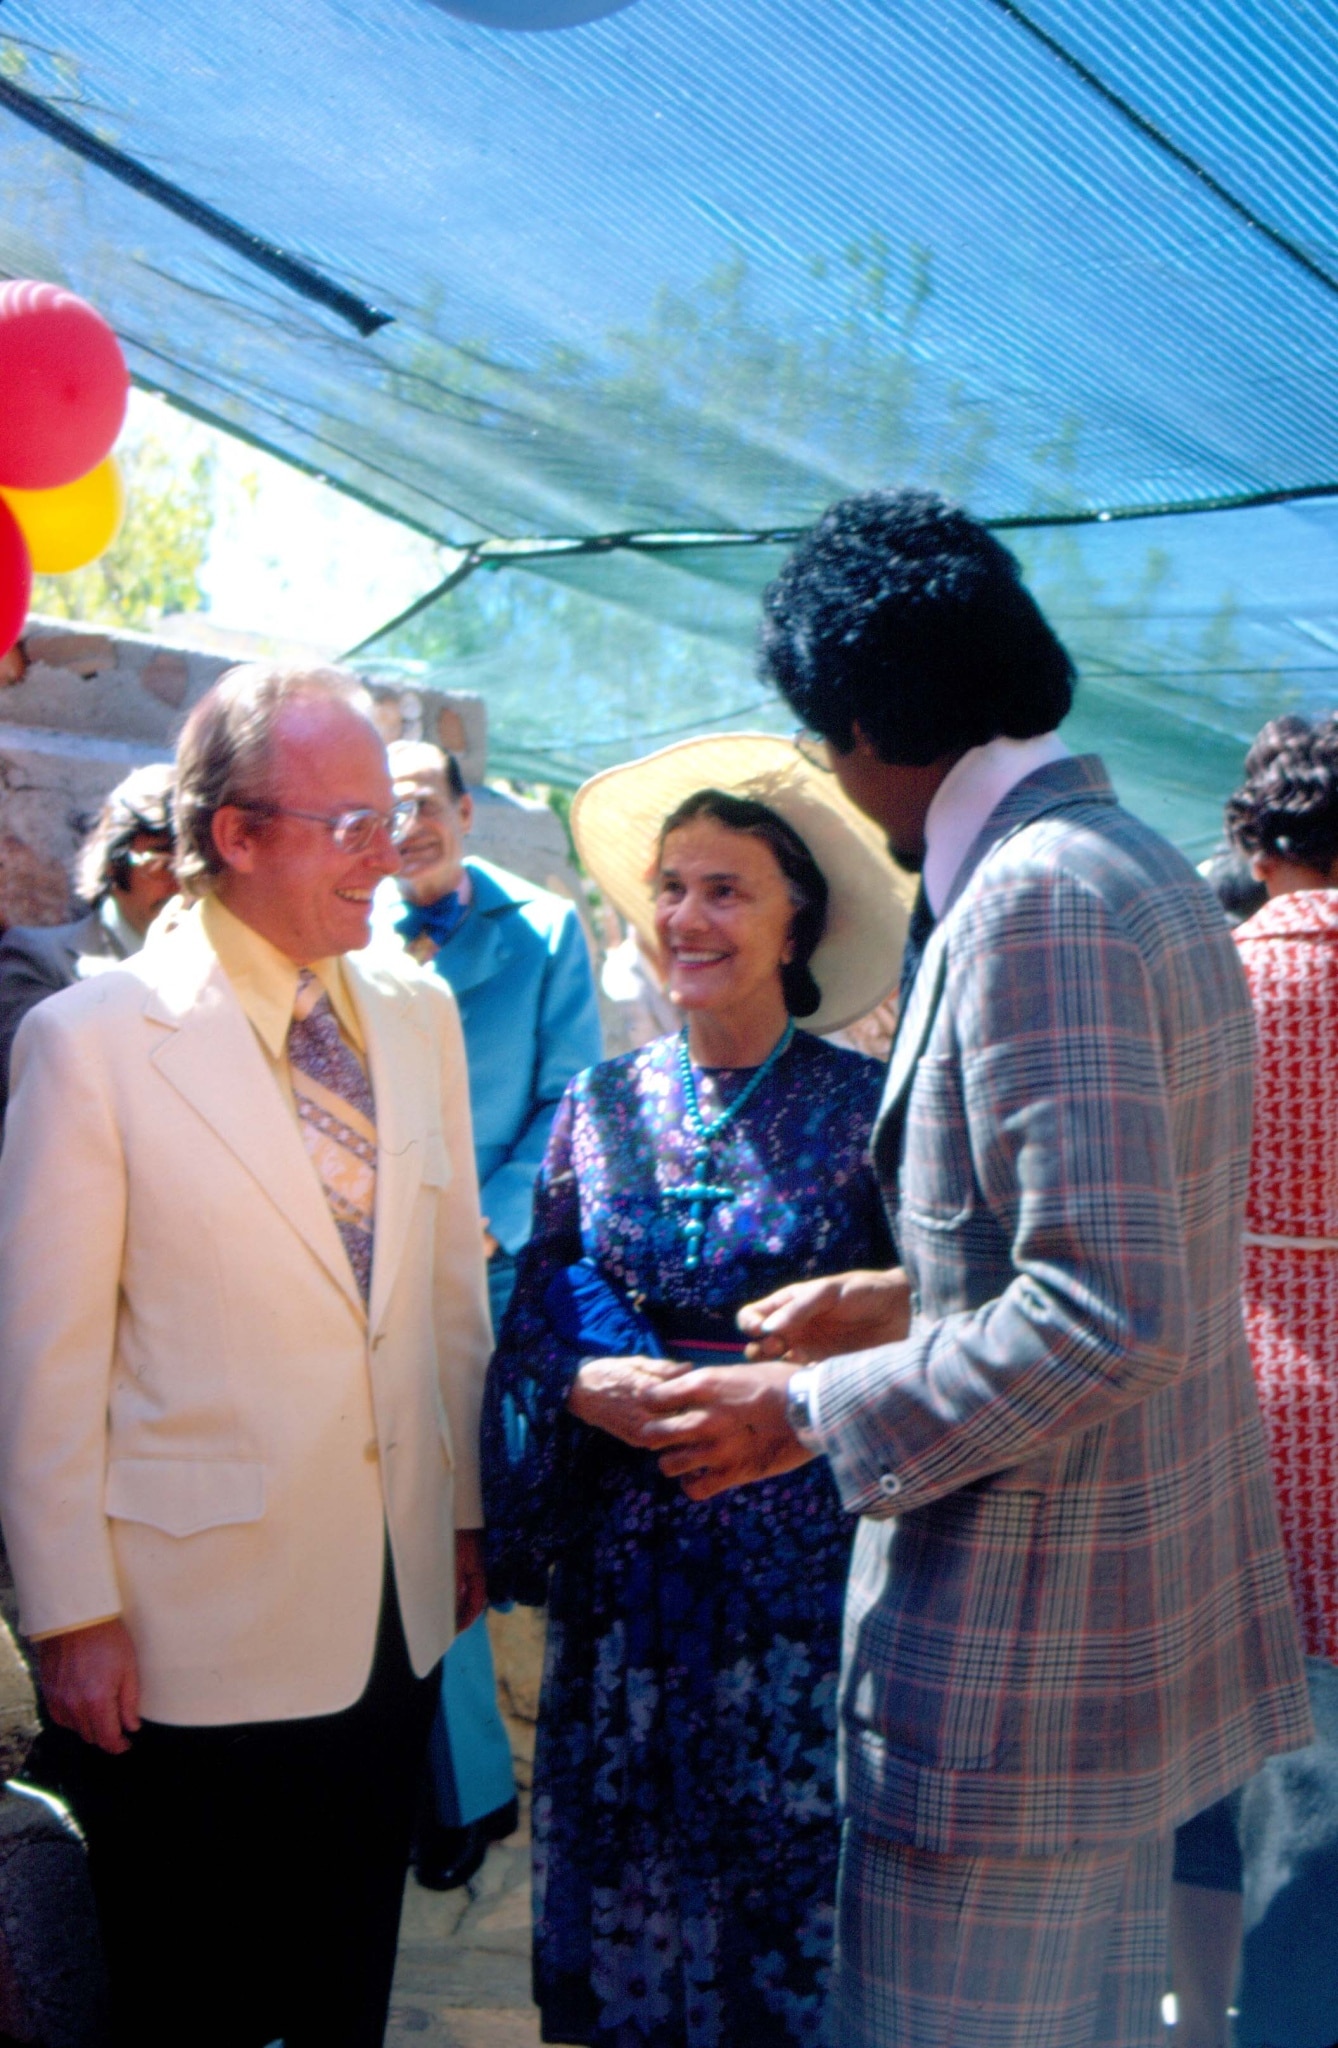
x: 81, y: 706
x: 78, y: 710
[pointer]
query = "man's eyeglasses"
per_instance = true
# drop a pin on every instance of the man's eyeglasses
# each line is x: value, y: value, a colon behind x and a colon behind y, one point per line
x: 154, y: 859
x: 815, y: 749
x: 351, y: 831
x: 429, y: 807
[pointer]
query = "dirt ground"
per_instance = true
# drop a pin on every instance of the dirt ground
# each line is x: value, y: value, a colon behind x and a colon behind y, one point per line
x: 463, y: 1979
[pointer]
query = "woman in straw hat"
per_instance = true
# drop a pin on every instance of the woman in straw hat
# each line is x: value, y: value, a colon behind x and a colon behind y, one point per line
x: 684, y: 1810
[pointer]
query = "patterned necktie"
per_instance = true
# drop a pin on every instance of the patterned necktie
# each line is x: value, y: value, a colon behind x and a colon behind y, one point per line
x: 338, y: 1119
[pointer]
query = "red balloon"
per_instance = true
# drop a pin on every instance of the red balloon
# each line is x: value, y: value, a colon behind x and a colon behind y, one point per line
x: 63, y: 387
x: 16, y: 579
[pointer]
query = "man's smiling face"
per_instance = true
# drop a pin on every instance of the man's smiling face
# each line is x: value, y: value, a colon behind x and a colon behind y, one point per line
x: 434, y: 850
x: 297, y: 888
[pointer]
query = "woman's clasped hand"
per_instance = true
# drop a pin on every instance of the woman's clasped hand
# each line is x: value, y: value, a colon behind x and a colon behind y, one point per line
x: 608, y: 1394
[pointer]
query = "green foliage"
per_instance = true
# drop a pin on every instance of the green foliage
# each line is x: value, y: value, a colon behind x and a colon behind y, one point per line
x: 589, y: 660
x: 790, y: 409
x: 573, y: 681
x: 153, y: 566
x: 719, y: 399
x: 586, y: 661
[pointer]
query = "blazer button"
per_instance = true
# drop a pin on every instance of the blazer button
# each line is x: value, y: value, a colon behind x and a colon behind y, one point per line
x: 372, y: 1452
x: 889, y: 1484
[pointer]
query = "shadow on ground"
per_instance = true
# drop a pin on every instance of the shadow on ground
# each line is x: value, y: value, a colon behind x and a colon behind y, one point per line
x: 463, y: 1977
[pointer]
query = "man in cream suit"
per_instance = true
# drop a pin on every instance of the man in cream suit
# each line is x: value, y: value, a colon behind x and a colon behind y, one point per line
x: 243, y: 1331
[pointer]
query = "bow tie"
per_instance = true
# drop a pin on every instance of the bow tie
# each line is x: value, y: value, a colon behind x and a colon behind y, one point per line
x: 438, y: 920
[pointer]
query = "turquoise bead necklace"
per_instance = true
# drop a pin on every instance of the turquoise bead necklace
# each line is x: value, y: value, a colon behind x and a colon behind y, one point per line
x: 699, y: 1197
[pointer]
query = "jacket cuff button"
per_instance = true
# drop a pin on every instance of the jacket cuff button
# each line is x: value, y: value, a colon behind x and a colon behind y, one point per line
x: 889, y: 1484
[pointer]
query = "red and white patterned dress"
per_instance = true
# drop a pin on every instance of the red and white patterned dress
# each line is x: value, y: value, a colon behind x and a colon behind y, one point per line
x: 1290, y: 955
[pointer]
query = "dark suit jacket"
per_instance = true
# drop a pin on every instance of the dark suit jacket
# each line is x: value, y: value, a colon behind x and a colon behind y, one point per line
x: 35, y: 961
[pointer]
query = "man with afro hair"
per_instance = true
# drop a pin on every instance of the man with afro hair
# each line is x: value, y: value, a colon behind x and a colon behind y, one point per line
x: 1068, y: 1623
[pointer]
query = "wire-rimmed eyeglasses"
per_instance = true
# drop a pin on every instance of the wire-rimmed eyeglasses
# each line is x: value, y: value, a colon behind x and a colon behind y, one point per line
x: 815, y: 750
x: 352, y: 831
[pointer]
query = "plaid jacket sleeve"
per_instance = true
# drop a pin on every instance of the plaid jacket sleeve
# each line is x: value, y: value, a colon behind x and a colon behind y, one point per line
x: 1038, y: 1207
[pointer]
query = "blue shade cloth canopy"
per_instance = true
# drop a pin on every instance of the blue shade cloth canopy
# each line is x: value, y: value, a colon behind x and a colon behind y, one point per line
x: 531, y: 14
x: 693, y: 270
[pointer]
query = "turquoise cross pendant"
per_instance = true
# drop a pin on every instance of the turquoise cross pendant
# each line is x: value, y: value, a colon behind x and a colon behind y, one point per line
x: 699, y: 1197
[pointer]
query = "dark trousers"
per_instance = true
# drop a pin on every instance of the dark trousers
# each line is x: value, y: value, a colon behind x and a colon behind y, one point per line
x: 249, y: 1878
x: 468, y: 1771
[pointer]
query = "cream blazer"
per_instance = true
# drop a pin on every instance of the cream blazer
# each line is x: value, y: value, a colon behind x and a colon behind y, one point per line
x: 201, y: 1428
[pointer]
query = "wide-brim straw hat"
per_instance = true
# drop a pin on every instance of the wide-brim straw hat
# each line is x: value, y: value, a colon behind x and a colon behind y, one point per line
x: 617, y: 816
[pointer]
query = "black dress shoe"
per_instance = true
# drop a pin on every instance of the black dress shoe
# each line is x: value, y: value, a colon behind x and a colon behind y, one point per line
x: 446, y: 1858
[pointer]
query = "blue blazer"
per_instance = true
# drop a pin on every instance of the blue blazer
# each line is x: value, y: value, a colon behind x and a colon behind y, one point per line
x: 520, y: 970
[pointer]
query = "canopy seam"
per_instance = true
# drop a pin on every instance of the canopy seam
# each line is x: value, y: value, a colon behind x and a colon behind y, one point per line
x: 1162, y: 141
x: 300, y: 277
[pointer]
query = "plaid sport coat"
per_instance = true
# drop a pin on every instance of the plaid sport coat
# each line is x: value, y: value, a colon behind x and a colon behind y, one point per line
x: 1068, y: 1621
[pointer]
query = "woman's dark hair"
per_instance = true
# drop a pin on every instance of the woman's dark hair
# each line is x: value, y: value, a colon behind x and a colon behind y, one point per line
x: 803, y: 877
x: 905, y: 615
x: 138, y: 808
x: 1288, y: 802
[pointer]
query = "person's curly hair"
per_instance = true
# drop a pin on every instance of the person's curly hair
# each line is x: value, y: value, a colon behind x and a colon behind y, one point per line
x: 1288, y: 802
x: 905, y: 615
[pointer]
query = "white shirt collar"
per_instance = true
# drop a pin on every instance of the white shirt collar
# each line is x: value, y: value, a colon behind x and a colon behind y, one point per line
x: 118, y: 927
x: 971, y: 789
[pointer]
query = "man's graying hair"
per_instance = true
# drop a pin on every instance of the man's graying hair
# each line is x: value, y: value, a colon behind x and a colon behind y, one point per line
x: 223, y: 756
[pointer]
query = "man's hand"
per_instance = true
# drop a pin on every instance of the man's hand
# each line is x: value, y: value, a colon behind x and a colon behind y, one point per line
x: 816, y: 1319
x: 90, y: 1682
x: 721, y: 1427
x: 471, y: 1585
x: 606, y: 1393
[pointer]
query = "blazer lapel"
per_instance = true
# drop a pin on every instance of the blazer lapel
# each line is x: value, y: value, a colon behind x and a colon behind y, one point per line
x: 486, y: 940
x: 211, y: 1056
x: 1079, y: 779
x: 472, y: 954
x: 399, y: 1058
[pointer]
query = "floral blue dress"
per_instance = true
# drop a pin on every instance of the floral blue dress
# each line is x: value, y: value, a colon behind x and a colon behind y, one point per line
x: 685, y: 1831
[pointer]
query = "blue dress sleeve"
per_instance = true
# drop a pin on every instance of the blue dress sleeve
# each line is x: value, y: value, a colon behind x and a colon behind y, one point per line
x: 530, y: 1444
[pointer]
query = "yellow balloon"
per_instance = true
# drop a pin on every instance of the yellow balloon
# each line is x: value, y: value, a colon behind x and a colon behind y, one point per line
x: 72, y: 524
